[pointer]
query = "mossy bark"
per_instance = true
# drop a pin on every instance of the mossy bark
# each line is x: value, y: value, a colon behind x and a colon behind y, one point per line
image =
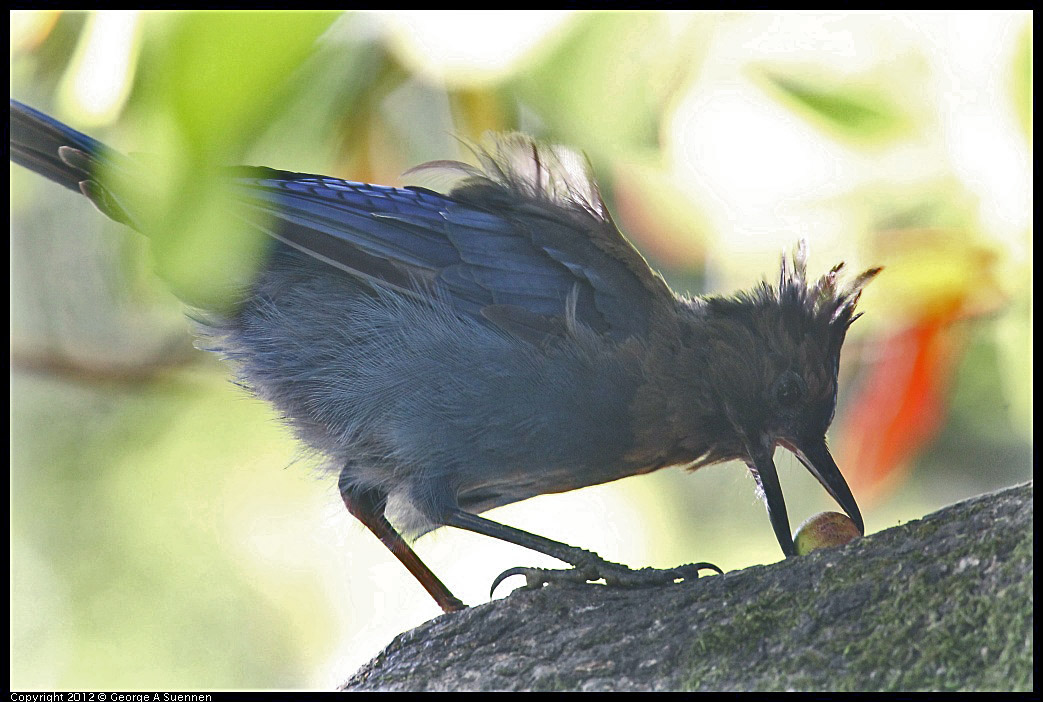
x: 941, y: 603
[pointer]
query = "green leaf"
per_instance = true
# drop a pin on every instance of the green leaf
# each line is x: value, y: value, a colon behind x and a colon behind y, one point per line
x: 607, y: 84
x: 211, y: 82
x: 223, y: 71
x: 1022, y: 80
x: 856, y: 110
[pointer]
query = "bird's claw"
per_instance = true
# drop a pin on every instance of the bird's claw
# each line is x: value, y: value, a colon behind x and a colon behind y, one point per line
x: 613, y: 574
x: 538, y: 577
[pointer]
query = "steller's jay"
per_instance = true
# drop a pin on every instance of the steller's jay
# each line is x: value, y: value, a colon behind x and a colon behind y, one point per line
x: 448, y: 354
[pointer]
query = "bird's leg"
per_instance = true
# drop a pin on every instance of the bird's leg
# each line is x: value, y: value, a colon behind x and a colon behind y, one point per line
x: 368, y: 508
x: 588, y: 566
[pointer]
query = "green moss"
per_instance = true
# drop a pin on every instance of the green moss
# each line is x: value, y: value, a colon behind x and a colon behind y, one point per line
x: 917, y: 622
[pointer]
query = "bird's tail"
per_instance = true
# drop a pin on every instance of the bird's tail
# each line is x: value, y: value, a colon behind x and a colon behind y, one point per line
x: 66, y: 156
x: 37, y: 141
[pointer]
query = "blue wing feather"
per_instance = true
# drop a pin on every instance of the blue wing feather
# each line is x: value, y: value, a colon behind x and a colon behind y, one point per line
x: 525, y: 244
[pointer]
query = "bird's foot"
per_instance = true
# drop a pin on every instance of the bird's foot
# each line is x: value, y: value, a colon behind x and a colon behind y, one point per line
x: 614, y: 574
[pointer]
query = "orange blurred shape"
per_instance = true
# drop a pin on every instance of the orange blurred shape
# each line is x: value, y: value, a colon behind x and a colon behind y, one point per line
x: 30, y: 27
x: 901, y: 404
x: 933, y: 278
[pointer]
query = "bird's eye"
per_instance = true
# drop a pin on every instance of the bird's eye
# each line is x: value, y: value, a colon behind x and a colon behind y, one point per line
x: 789, y: 390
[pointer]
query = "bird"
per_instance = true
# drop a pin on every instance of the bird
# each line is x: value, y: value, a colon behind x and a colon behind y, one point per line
x: 448, y: 353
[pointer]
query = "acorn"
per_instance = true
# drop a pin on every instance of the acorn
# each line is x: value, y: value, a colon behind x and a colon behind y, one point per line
x: 824, y: 530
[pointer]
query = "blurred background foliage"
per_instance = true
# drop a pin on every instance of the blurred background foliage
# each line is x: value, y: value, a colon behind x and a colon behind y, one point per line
x: 155, y: 540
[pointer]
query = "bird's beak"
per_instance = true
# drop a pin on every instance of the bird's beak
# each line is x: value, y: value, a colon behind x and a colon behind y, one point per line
x: 816, y: 458
x: 763, y: 468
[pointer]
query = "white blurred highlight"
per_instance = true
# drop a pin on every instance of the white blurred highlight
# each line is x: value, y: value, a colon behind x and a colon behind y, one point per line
x: 100, y: 76
x: 471, y: 47
x: 766, y: 176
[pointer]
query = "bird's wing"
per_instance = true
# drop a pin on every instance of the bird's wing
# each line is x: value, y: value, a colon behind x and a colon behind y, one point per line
x: 524, y: 243
x: 530, y: 252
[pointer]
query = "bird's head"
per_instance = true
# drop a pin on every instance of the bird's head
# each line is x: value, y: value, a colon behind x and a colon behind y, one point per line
x: 773, y: 377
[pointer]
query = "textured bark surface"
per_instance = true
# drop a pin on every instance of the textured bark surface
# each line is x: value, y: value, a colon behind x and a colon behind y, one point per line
x: 941, y: 603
